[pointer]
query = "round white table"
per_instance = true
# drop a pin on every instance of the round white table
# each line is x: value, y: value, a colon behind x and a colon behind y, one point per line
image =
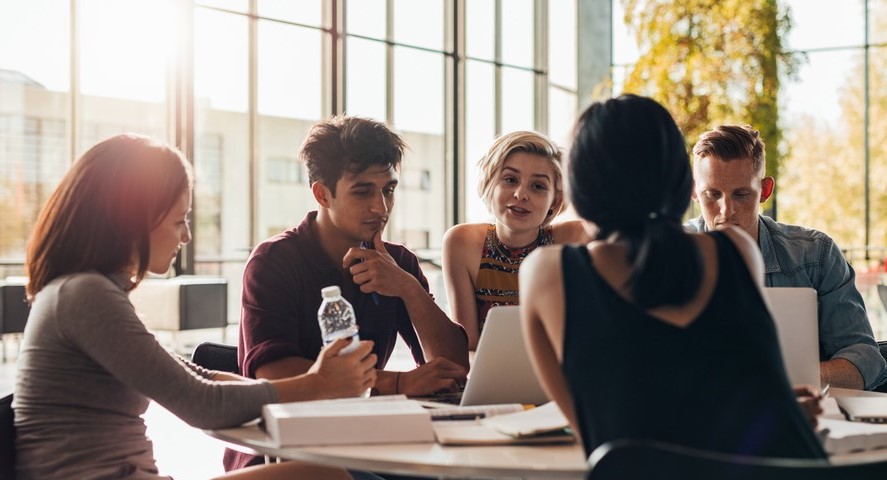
x: 429, y: 459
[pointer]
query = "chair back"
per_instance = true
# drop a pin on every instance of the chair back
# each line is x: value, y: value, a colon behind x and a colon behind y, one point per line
x: 216, y: 356
x: 882, y: 346
x: 652, y: 460
x: 882, y: 293
x: 7, y: 438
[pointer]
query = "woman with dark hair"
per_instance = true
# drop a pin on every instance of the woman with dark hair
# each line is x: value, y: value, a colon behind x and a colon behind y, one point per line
x: 88, y: 366
x: 649, y: 332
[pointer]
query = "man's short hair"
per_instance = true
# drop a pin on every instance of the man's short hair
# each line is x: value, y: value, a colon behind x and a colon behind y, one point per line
x: 351, y: 144
x: 732, y: 142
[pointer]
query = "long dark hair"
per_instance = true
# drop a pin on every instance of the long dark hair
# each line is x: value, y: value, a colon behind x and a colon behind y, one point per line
x: 104, y: 209
x: 629, y: 173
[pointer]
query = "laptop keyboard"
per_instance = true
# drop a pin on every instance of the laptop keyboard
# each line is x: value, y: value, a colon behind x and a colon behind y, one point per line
x: 452, y: 398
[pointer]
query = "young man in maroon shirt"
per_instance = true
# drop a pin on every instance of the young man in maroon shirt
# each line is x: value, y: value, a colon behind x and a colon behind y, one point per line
x: 352, y: 165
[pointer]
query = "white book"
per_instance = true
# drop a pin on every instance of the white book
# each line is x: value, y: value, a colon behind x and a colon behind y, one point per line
x: 844, y: 436
x: 350, y: 421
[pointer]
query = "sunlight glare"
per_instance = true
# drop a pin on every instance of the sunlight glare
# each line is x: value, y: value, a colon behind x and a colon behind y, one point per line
x: 126, y: 47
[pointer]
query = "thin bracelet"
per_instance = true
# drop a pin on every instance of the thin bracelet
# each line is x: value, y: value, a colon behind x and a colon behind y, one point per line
x: 397, y: 383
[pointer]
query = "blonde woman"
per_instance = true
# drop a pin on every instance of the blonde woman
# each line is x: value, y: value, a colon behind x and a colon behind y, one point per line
x: 521, y: 186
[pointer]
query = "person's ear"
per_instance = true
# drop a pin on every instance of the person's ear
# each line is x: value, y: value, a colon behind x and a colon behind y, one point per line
x: 693, y: 192
x: 322, y: 194
x: 767, y: 185
x: 556, y: 204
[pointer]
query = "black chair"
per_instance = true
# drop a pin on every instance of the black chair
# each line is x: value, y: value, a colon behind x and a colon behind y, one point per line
x: 882, y: 346
x: 216, y: 356
x: 652, y: 460
x: 7, y: 438
x: 882, y: 293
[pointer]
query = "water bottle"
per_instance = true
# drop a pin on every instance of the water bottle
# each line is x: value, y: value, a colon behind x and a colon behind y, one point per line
x: 336, y: 318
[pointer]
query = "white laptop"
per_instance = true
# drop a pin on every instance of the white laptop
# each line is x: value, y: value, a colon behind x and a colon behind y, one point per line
x: 795, y: 313
x: 864, y: 409
x: 502, y: 372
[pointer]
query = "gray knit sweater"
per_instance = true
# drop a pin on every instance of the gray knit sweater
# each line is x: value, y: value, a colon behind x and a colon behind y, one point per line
x: 86, y: 372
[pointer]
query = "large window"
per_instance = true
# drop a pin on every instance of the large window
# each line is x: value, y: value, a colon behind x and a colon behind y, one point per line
x: 35, y: 86
x: 832, y: 111
x: 236, y: 84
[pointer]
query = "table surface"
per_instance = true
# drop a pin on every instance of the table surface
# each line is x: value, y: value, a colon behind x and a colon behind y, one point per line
x: 524, y: 461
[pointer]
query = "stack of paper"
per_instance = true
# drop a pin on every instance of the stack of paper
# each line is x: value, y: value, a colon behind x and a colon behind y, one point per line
x: 348, y: 421
x: 535, y: 421
x: 844, y: 436
x: 545, y: 424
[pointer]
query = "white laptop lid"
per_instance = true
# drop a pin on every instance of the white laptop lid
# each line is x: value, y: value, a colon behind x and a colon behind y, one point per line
x: 864, y: 409
x: 796, y: 316
x: 502, y: 372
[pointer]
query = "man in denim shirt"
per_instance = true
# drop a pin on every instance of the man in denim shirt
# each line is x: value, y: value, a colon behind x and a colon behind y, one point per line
x: 730, y: 184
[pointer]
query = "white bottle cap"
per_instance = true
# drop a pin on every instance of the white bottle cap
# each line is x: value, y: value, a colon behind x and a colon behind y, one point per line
x: 331, y: 292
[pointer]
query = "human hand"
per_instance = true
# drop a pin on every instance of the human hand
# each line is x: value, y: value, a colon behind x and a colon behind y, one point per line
x: 375, y: 270
x: 348, y: 375
x: 810, y: 401
x: 438, y: 375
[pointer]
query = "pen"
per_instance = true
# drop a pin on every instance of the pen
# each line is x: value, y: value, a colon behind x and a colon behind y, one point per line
x: 460, y: 416
x: 824, y: 392
x: 363, y: 246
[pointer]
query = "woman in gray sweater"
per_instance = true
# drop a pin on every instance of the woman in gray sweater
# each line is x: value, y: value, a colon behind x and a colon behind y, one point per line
x: 88, y: 367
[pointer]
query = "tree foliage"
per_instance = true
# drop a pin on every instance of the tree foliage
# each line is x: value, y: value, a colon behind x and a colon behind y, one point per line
x: 712, y: 62
x: 823, y: 174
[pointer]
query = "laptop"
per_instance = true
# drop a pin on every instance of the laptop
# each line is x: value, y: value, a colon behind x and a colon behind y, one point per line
x: 502, y: 372
x: 864, y: 409
x: 795, y: 313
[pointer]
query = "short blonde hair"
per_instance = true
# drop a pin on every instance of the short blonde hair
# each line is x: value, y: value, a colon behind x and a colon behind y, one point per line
x: 491, y: 164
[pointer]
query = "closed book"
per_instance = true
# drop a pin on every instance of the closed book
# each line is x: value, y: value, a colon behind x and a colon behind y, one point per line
x: 842, y: 436
x: 351, y: 421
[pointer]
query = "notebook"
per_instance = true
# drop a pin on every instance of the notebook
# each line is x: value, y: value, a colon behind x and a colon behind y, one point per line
x: 796, y: 316
x: 502, y: 372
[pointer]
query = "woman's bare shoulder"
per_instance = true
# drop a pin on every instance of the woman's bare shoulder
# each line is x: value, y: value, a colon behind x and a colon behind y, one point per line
x: 465, y: 234
x: 571, y: 231
x: 541, y: 264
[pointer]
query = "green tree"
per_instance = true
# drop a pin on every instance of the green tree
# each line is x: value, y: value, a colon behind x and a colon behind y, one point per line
x: 713, y: 62
x: 823, y: 180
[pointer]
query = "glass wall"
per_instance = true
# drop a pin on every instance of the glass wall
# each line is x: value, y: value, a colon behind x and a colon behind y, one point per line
x: 35, y: 88
x: 832, y: 111
x: 238, y: 89
x: 515, y: 80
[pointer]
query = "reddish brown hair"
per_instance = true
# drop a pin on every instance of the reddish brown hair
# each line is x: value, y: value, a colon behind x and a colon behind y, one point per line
x: 103, y: 211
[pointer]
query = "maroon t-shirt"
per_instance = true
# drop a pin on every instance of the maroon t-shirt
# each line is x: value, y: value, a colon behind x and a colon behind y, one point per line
x: 281, y: 296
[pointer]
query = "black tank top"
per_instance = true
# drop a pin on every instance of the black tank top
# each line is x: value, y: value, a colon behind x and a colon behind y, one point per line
x: 719, y: 384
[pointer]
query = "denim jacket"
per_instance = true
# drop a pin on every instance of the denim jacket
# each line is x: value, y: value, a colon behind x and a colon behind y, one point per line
x: 799, y: 257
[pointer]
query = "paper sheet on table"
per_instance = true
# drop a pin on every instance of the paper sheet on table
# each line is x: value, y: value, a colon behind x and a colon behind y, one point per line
x: 543, y: 419
x: 469, y: 432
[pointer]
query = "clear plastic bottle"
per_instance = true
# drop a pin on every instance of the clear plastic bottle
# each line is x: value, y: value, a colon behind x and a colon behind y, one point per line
x: 336, y: 318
